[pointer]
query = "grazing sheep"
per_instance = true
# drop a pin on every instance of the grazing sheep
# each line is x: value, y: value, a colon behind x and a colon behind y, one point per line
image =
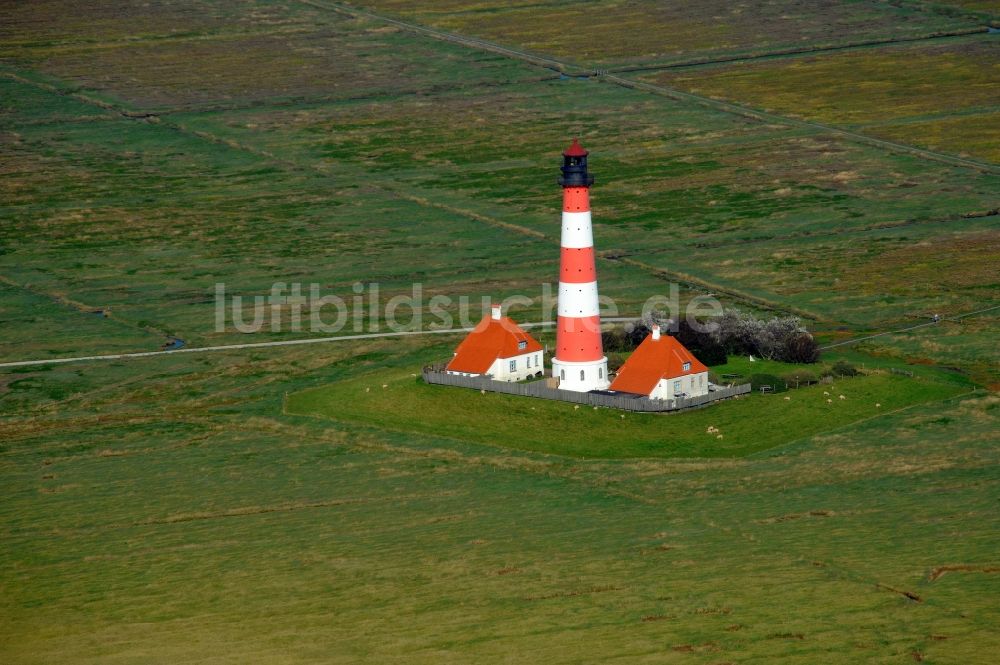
x: 826, y: 393
x: 368, y: 390
x: 842, y: 397
x: 787, y: 397
x: 829, y: 401
x: 384, y: 386
x: 482, y: 392
x: 623, y: 416
x: 595, y: 408
x: 576, y: 407
x: 718, y: 436
x: 877, y: 405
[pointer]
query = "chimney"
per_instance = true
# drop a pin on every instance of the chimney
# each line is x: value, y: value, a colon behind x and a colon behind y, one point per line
x: 496, y: 312
x: 656, y: 332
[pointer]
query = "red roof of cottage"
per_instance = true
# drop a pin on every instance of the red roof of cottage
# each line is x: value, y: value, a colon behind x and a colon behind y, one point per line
x: 489, y: 340
x: 655, y: 359
x: 575, y: 150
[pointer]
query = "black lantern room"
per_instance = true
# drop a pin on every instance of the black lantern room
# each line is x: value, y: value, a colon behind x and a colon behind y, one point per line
x: 574, y: 168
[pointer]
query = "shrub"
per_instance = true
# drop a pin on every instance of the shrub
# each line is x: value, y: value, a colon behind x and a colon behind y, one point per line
x: 800, y: 348
x: 619, y: 340
x: 758, y: 380
x: 780, y: 338
x: 843, y: 368
x: 702, y: 344
x: 800, y: 378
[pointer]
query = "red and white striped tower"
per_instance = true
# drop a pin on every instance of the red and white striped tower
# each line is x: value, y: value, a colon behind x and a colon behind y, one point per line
x: 579, y: 362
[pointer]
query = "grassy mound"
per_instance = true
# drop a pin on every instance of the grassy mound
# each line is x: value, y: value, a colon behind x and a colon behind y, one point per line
x: 394, y: 399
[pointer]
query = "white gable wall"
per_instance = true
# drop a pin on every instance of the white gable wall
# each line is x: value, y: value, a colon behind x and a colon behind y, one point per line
x: 690, y: 385
x: 525, y: 365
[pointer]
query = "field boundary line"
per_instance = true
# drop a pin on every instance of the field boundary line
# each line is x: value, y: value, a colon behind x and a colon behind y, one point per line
x: 909, y: 328
x: 386, y: 186
x: 799, y: 52
x: 765, y: 116
x: 262, y: 345
x: 734, y: 108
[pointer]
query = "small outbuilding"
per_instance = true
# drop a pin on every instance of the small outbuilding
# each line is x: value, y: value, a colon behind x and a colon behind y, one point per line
x: 662, y: 368
x: 498, y: 347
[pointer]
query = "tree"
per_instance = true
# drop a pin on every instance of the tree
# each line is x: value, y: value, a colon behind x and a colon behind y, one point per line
x: 801, y: 348
x: 702, y: 344
x: 779, y: 338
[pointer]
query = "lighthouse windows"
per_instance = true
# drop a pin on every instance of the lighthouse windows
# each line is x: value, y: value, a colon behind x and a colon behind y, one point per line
x: 582, y: 375
x: 600, y: 373
x: 513, y: 365
x: 562, y: 374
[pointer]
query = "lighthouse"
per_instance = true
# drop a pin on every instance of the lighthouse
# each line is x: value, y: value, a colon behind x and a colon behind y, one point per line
x: 579, y: 362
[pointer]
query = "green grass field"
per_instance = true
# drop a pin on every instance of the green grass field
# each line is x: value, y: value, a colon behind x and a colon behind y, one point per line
x: 884, y: 93
x: 396, y: 400
x: 278, y: 505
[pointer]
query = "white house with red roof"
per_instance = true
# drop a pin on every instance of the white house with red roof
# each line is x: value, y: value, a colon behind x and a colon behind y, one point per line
x: 498, y: 347
x: 661, y: 368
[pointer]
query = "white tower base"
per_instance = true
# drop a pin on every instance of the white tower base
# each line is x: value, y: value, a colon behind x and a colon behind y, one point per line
x: 595, y: 375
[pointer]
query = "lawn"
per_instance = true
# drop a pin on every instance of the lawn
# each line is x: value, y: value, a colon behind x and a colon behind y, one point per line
x: 398, y: 401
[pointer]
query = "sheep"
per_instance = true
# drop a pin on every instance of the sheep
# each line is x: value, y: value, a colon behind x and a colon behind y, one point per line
x: 368, y: 390
x: 877, y: 405
x: 829, y: 401
x: 623, y: 416
x: 842, y: 397
x: 826, y: 393
x: 718, y: 436
x: 482, y: 392
x: 576, y: 407
x: 787, y: 397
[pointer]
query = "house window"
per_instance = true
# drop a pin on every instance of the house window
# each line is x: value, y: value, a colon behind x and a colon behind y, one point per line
x: 522, y: 345
x: 677, y: 387
x: 513, y: 365
x: 562, y: 374
x: 582, y: 377
x: 600, y: 372
x: 527, y: 362
x: 687, y: 367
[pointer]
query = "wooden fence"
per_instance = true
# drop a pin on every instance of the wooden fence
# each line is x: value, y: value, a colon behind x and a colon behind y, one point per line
x: 623, y: 401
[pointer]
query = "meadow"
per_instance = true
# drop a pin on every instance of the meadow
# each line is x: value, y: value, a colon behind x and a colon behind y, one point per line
x: 278, y: 505
x: 881, y: 93
x: 651, y: 33
x: 400, y: 401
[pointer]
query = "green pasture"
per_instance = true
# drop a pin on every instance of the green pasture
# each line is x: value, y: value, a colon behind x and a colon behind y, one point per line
x: 398, y: 401
x: 279, y: 505
x: 169, y: 511
x: 651, y: 33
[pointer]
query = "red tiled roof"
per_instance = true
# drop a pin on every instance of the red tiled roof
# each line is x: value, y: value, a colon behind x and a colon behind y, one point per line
x: 575, y: 150
x: 489, y: 340
x: 662, y: 358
